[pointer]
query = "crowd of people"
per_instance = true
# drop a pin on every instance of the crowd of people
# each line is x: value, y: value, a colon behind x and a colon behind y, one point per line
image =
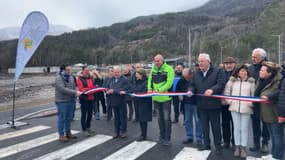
x: 228, y: 119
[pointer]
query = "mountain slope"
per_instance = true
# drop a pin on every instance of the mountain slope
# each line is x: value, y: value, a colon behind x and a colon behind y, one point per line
x: 13, y: 32
x: 233, y: 24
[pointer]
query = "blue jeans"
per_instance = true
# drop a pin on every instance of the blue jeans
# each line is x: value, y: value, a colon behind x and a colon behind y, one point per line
x: 65, y: 112
x: 190, y: 113
x: 276, y: 132
x: 241, y: 125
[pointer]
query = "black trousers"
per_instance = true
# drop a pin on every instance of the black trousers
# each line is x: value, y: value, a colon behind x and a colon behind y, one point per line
x: 176, y: 104
x: 227, y: 125
x: 120, y: 118
x: 208, y: 116
x: 103, y: 104
x: 86, y: 114
x: 143, y: 126
x: 109, y: 110
x: 131, y: 109
x: 256, y: 128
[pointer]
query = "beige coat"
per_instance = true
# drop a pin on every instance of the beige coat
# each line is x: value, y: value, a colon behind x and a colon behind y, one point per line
x: 236, y: 87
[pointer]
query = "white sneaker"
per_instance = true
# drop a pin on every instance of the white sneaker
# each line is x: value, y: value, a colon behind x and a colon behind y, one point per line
x: 267, y: 157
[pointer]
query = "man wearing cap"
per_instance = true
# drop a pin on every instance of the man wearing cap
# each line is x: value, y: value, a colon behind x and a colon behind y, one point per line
x: 227, y: 121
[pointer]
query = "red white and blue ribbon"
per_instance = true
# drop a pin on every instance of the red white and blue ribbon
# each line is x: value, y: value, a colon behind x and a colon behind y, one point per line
x: 239, y: 98
x: 150, y: 94
x: 95, y: 90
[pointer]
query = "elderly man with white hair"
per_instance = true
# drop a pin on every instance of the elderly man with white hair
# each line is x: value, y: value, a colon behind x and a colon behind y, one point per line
x: 208, y: 80
x: 117, y: 88
x: 258, y: 56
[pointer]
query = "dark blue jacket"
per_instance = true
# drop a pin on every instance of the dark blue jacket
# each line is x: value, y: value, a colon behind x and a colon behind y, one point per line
x: 122, y: 84
x: 183, y: 86
x: 214, y: 80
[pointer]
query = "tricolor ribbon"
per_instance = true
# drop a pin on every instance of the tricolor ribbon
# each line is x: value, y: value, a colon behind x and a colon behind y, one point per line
x: 150, y: 94
x: 95, y: 90
x: 239, y: 98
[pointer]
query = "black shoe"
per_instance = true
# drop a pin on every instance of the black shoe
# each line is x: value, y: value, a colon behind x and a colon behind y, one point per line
x: 226, y: 145
x: 141, y: 138
x: 218, y: 150
x: 175, y: 121
x: 264, y: 148
x: 204, y: 147
x: 166, y: 143
x: 255, y: 148
x: 188, y: 141
x: 199, y: 144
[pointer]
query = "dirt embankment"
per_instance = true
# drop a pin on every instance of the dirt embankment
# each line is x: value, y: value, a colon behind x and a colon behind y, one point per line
x: 31, y: 90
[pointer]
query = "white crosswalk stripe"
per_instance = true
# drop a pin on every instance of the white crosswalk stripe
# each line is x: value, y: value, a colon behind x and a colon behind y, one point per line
x: 188, y: 153
x: 131, y: 151
x: 18, y: 133
x: 76, y: 148
x: 17, y: 148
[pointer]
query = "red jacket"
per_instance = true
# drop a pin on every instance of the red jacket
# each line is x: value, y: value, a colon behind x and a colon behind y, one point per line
x: 84, y: 84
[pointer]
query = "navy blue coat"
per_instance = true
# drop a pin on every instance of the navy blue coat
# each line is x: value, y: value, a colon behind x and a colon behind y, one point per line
x: 122, y: 84
x: 144, y: 105
x: 214, y: 80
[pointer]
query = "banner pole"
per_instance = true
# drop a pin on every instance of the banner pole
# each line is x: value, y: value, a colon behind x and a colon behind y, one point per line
x: 13, y: 111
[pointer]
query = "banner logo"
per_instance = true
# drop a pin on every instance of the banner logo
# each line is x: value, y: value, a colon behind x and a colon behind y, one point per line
x: 28, y: 43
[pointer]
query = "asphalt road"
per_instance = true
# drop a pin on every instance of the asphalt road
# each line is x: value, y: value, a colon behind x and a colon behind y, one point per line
x: 40, y: 142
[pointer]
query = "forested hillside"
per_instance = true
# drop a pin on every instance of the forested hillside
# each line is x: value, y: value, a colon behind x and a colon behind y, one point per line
x: 236, y: 25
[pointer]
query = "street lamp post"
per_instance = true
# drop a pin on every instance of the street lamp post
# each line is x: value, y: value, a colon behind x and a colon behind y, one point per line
x: 221, y: 54
x: 189, y: 51
x: 279, y: 48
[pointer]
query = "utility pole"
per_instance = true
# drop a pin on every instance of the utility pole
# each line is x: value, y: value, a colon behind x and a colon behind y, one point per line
x: 189, y: 51
x: 279, y: 48
x: 221, y: 53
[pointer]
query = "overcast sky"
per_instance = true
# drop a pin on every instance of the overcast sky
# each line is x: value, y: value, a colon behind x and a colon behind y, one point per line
x: 81, y: 14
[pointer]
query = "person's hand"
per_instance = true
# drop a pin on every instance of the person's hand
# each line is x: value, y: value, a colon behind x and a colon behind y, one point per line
x: 78, y: 93
x: 189, y: 93
x: 122, y: 92
x: 264, y: 97
x: 208, y: 92
x: 110, y: 91
x: 281, y: 119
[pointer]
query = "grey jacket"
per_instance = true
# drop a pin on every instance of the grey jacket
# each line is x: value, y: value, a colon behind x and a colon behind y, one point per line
x: 64, y: 91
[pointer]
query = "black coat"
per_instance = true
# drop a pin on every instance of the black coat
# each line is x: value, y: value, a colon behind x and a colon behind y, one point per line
x: 183, y: 86
x: 99, y: 83
x: 214, y: 80
x: 281, y: 100
x: 144, y: 105
x: 122, y: 84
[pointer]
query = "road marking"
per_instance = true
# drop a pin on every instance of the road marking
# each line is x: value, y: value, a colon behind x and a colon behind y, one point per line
x: 253, y: 158
x: 77, y: 148
x: 22, y: 132
x: 17, y: 148
x: 188, y: 153
x: 131, y: 151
